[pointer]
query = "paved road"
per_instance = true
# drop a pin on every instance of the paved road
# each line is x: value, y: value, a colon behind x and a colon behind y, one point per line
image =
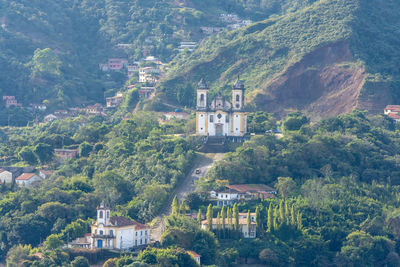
x: 203, y: 162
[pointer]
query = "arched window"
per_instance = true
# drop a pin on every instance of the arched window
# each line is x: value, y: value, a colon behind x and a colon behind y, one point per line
x: 101, y: 215
x: 101, y: 232
x: 202, y: 97
x: 111, y: 232
x: 237, y: 98
x: 108, y: 214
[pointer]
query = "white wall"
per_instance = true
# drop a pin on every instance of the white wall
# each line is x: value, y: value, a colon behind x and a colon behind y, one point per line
x: 236, y: 124
x: 201, y: 120
x: 6, y: 177
x: 29, y: 182
x: 125, y: 236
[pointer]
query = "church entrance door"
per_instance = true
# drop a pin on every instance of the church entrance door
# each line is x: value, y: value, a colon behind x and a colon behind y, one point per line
x: 218, y: 130
x: 99, y: 243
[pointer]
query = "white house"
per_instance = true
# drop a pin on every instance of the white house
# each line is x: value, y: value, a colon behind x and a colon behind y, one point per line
x: 242, y: 226
x: 195, y: 256
x: 117, y: 232
x: 27, y: 179
x: 5, y: 176
x: 235, y: 193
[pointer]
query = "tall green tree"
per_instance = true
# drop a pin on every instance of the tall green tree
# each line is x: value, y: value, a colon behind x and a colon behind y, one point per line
x: 199, y: 217
x: 175, y: 206
x: 270, y: 218
x: 236, y: 216
x: 209, y: 217
x: 258, y: 220
x: 248, y: 222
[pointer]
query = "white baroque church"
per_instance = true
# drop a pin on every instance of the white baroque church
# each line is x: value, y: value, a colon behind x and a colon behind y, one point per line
x: 220, y: 117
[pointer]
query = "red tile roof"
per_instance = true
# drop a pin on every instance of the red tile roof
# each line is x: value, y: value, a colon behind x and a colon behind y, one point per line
x: 243, y: 188
x: 392, y: 107
x: 194, y: 254
x: 2, y: 170
x: 120, y: 221
x: 394, y: 116
x: 25, y: 176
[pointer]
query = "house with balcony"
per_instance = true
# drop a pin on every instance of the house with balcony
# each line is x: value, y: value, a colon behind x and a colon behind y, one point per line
x: 115, y: 101
x: 117, y: 232
x: 242, y: 192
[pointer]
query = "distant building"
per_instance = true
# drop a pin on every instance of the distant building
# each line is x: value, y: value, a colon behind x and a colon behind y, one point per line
x: 103, y: 67
x: 117, y: 63
x: 27, y: 179
x: 211, y: 30
x: 247, y: 233
x: 149, y: 74
x: 195, y: 256
x: 41, y: 107
x: 94, y: 109
x: 187, y: 45
x: 114, y: 101
x: 50, y: 118
x: 82, y: 242
x: 393, y: 112
x: 44, y: 174
x: 245, y: 192
x: 132, y: 68
x: 6, y: 176
x: 10, y: 100
x: 117, y: 232
x: 176, y: 115
x: 146, y: 92
x: 66, y: 153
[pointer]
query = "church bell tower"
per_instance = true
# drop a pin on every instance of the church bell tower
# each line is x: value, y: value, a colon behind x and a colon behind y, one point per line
x: 202, y: 95
x: 238, y: 95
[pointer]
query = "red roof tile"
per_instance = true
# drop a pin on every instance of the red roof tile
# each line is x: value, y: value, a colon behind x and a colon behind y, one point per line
x: 242, y: 188
x: 194, y: 254
x: 25, y: 176
x: 121, y: 221
x: 394, y: 116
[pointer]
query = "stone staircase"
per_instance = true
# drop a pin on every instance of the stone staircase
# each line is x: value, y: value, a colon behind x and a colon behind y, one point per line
x: 214, y: 144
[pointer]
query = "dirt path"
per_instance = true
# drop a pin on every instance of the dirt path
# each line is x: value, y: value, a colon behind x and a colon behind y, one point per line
x: 203, y: 162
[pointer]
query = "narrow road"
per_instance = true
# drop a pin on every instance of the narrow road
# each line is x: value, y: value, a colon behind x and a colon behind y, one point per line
x: 203, y: 162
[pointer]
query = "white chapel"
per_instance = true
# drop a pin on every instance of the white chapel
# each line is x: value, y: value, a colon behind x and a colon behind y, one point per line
x: 220, y: 117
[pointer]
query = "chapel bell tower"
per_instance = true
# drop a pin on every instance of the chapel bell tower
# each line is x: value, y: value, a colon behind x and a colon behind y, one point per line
x: 202, y: 95
x: 103, y: 214
x: 238, y: 95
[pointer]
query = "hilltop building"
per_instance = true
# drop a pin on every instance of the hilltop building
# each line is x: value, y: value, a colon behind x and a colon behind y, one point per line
x: 220, y: 117
x: 393, y: 112
x: 242, y: 192
x: 117, y: 232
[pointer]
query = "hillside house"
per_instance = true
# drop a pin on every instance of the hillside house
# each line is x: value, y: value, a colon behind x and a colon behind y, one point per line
x: 27, y: 179
x: 66, y: 153
x: 114, y: 101
x: 243, y: 192
x: 10, y: 100
x: 132, y: 68
x: 50, y: 118
x: 195, y: 256
x: 6, y: 176
x: 393, y: 112
x: 44, y: 174
x: 187, y: 45
x: 247, y: 233
x: 176, y: 115
x: 117, y: 63
x: 146, y: 92
x: 95, y: 109
x: 117, y: 232
x: 149, y: 75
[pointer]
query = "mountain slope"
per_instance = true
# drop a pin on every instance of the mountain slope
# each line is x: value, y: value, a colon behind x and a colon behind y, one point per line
x: 324, y: 59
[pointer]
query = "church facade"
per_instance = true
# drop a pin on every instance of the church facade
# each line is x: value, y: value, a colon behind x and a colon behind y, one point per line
x: 219, y: 117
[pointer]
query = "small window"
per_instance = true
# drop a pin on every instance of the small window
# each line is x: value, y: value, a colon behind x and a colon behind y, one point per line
x: 237, y: 98
x: 101, y: 232
x: 136, y: 233
x: 237, y: 129
x: 101, y: 215
x: 108, y: 214
x: 202, y: 97
x: 211, y: 118
x: 141, y: 233
x: 111, y: 232
x: 201, y: 128
x: 237, y: 116
x: 226, y: 119
x: 201, y: 115
x: 237, y: 105
x: 219, y: 116
x: 140, y: 241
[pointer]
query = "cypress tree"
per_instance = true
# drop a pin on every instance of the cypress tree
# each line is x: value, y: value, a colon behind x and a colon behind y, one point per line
x: 258, y: 220
x: 199, y: 217
x: 248, y: 223
x: 236, y: 217
x: 299, y: 221
x: 209, y: 217
x: 182, y: 208
x: 269, y: 218
x: 292, y: 216
x: 175, y: 206
x: 223, y: 216
x: 229, y: 216
x: 275, y: 220
x: 281, y: 212
x: 287, y: 214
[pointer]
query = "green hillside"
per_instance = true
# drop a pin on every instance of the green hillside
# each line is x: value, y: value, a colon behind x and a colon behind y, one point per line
x: 282, y: 59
